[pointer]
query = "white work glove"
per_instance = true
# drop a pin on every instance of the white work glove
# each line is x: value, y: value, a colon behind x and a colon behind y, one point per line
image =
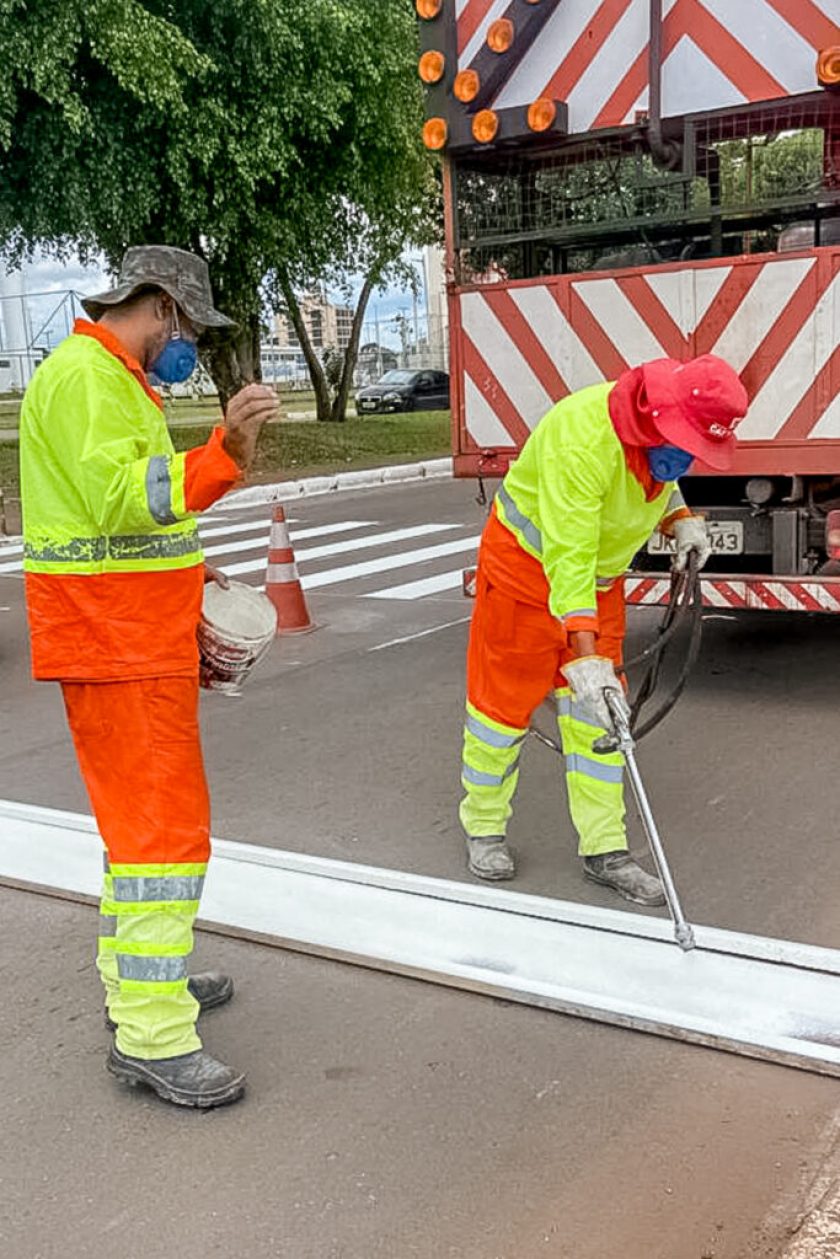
x: 589, y: 677
x: 691, y: 534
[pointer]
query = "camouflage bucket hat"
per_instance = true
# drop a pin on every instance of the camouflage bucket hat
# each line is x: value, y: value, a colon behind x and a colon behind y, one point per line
x: 184, y: 276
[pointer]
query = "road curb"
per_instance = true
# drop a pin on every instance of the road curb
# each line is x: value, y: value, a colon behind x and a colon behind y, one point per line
x: 359, y: 479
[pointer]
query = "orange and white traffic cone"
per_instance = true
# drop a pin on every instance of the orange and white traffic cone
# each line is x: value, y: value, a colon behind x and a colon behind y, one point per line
x: 282, y: 582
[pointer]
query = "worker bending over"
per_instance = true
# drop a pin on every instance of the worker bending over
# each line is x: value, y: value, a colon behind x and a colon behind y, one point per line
x: 594, y: 480
x: 114, y: 581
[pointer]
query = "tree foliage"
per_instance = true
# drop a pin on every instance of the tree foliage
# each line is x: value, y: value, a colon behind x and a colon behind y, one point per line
x: 279, y: 138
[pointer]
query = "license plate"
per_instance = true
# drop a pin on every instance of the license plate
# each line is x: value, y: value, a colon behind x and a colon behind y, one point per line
x: 367, y: 406
x: 726, y: 538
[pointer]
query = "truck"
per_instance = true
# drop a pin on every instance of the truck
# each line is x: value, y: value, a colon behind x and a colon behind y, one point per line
x: 625, y: 180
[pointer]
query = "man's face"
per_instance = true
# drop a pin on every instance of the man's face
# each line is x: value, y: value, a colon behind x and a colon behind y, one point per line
x: 166, y: 321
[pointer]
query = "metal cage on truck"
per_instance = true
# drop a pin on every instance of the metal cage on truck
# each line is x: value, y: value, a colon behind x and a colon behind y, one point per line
x: 629, y: 179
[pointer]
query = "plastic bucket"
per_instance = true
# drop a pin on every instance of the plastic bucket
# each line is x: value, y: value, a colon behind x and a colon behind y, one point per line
x: 237, y: 627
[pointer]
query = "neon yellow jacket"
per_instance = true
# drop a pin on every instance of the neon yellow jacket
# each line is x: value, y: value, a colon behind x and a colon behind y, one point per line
x: 102, y: 488
x: 572, y: 502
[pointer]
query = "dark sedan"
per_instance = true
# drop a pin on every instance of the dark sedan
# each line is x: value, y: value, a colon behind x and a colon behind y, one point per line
x: 403, y: 390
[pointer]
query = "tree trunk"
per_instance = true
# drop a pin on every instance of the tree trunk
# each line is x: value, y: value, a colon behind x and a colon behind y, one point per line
x: 233, y: 359
x: 323, y: 407
x: 351, y: 354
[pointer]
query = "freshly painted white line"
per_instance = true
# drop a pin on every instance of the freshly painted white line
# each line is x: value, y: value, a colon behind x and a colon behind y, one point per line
x: 768, y: 999
x: 13, y: 548
x: 410, y: 638
x: 367, y: 543
x: 260, y: 541
x: 417, y: 589
x: 385, y: 563
x: 12, y: 566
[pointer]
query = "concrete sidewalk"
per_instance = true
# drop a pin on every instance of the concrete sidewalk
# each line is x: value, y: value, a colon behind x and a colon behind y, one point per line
x: 385, y: 1118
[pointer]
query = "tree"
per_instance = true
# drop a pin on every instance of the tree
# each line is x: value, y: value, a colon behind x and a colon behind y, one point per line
x: 269, y: 135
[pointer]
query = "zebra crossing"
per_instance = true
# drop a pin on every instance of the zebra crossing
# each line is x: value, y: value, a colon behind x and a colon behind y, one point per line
x: 356, y: 557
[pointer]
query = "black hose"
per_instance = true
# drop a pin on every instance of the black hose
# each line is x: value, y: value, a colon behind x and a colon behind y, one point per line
x: 685, y: 607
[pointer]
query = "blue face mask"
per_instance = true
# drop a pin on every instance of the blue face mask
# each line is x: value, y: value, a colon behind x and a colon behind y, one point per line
x: 177, y: 360
x: 668, y: 463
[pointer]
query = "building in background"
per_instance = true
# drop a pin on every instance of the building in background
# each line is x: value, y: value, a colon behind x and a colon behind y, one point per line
x: 329, y: 326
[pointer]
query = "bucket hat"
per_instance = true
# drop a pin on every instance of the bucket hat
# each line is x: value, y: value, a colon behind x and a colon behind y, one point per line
x: 183, y: 275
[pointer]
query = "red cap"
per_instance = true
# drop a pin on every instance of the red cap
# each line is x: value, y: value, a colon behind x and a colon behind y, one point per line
x: 697, y: 406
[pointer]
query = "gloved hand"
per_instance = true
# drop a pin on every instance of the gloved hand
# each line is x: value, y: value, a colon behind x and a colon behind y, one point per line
x: 691, y: 534
x: 589, y: 677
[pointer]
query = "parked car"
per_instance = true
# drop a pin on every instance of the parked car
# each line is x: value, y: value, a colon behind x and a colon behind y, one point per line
x: 405, y: 390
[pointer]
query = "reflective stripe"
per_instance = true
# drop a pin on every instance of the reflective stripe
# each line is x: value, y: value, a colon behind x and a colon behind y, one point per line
x: 479, y: 779
x: 590, y: 613
x: 174, y: 888
x: 107, y: 925
x: 153, y: 546
x: 159, y: 490
x: 571, y: 708
x: 529, y: 530
x: 577, y: 764
x: 494, y: 738
x: 160, y: 970
x: 282, y: 573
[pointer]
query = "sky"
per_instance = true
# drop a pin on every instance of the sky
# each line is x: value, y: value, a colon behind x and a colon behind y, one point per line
x: 46, y: 280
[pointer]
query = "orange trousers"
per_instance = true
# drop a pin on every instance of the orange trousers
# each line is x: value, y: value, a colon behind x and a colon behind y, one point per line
x: 515, y: 660
x: 517, y: 650
x: 139, y: 751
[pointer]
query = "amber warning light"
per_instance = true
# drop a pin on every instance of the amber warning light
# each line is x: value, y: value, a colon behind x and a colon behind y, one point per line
x: 828, y: 66
x: 435, y: 133
x: 431, y: 67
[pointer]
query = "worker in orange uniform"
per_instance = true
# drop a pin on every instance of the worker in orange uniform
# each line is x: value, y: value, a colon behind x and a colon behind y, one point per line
x: 594, y: 480
x: 114, y: 579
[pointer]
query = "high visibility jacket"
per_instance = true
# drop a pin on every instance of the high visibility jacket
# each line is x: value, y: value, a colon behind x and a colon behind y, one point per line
x: 112, y: 555
x: 574, y: 505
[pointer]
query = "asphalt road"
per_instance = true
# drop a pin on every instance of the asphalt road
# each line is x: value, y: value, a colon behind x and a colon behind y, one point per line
x: 387, y: 1117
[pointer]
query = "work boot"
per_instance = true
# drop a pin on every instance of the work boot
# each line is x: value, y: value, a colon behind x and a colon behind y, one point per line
x: 490, y: 858
x: 619, y: 871
x: 210, y: 989
x: 193, y: 1079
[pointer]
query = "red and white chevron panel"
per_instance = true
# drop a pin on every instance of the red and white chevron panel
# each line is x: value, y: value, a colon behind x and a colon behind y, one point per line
x: 757, y: 594
x: 520, y: 347
x: 593, y: 54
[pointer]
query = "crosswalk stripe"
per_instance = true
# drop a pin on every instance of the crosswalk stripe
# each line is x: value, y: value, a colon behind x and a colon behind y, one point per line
x: 263, y: 524
x: 417, y: 589
x: 367, y: 543
x: 248, y: 544
x: 297, y: 535
x: 385, y: 563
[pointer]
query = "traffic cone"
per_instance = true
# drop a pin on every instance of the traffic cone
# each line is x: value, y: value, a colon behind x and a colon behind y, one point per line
x: 282, y: 581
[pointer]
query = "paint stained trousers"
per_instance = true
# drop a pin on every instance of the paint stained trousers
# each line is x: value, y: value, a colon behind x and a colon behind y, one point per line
x: 139, y: 752
x: 515, y: 661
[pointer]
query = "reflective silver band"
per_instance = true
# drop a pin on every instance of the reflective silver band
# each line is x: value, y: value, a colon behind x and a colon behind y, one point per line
x: 153, y: 546
x: 159, y: 490
x: 577, y: 764
x: 480, y: 779
x: 529, y: 530
x: 592, y: 613
x: 107, y: 925
x: 179, y: 887
x: 152, y: 970
x: 569, y: 707
x: 282, y: 572
x: 494, y: 738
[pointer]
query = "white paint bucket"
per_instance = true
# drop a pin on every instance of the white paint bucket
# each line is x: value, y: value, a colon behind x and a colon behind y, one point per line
x: 237, y: 627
